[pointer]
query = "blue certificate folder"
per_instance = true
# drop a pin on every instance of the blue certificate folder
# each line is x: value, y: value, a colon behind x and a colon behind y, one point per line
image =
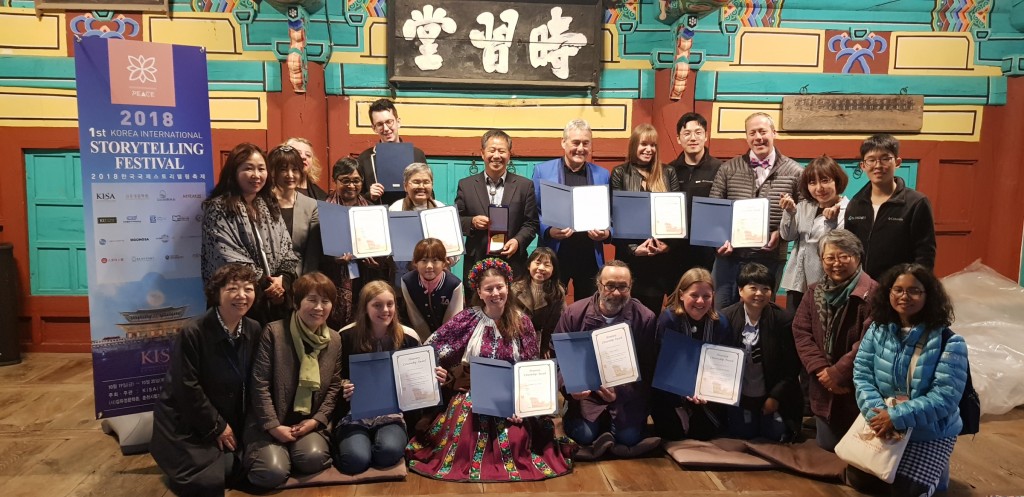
x: 337, y: 241
x: 374, y: 377
x: 389, y: 163
x: 677, y: 366
x: 491, y: 387
x: 631, y: 215
x: 576, y: 361
x: 711, y: 221
x: 406, y: 231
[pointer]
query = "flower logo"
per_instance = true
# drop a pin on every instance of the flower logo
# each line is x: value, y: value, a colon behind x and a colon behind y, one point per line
x: 143, y: 69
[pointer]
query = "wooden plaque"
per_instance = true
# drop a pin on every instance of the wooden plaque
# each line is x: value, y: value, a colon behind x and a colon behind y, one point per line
x: 864, y: 113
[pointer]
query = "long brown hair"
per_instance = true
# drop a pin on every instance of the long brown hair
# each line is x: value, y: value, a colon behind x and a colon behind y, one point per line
x: 510, y: 323
x: 364, y: 328
x: 655, y: 180
x: 228, y: 187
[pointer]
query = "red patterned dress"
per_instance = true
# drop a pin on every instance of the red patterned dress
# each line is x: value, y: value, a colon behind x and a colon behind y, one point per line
x: 462, y: 446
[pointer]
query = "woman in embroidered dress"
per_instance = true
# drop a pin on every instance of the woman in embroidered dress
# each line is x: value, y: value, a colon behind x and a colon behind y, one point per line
x: 690, y: 311
x: 910, y: 357
x: 461, y: 445
x: 348, y: 182
x: 432, y: 294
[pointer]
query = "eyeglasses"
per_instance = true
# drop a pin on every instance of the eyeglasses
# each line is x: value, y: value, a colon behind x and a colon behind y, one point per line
x: 888, y: 160
x: 912, y: 292
x: 841, y: 258
x: 421, y: 182
x: 349, y: 182
x: 687, y: 133
x: 390, y: 124
x: 611, y: 288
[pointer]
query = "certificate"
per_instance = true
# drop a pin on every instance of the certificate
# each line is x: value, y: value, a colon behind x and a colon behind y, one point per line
x: 750, y: 223
x: 720, y: 374
x: 689, y: 367
x: 415, y: 379
x: 535, y: 387
x: 443, y: 223
x: 360, y: 231
x: 369, y: 230
x: 392, y: 382
x: 668, y: 215
x: 581, y: 208
x: 616, y: 357
x: 744, y: 223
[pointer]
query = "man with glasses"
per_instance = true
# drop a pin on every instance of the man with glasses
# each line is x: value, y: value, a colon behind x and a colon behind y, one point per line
x: 696, y: 169
x: 763, y: 172
x: 498, y: 187
x: 613, y: 418
x: 894, y: 222
x: 385, y: 121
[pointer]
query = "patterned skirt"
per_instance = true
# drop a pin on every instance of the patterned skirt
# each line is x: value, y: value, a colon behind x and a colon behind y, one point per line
x: 462, y: 446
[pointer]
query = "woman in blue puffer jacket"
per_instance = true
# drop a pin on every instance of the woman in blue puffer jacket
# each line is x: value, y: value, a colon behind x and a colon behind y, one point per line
x: 910, y: 310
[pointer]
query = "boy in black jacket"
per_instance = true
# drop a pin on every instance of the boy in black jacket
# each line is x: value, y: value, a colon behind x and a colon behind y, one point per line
x: 894, y: 222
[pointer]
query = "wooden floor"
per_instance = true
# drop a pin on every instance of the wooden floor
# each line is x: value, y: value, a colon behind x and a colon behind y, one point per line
x: 51, y: 445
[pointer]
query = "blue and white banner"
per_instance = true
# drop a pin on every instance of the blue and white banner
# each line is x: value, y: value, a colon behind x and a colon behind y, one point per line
x: 144, y: 134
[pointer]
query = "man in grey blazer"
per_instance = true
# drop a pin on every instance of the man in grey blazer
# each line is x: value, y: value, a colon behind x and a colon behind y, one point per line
x: 497, y: 186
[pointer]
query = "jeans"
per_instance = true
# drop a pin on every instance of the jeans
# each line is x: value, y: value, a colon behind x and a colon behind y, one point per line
x: 825, y: 437
x: 727, y: 269
x: 360, y: 448
x: 585, y: 432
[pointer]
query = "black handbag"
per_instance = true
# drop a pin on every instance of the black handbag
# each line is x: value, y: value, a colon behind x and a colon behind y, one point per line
x: 970, y: 403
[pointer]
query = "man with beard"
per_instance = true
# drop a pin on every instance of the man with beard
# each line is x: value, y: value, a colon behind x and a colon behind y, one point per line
x: 762, y: 172
x: 498, y: 187
x: 695, y: 169
x: 613, y: 418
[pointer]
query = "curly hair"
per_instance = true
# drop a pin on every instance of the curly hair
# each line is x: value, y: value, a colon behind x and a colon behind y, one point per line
x: 225, y: 274
x: 938, y: 308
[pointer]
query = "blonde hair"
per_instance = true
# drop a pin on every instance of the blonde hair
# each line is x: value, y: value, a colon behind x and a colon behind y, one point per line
x: 314, y: 163
x: 655, y: 179
x: 364, y: 328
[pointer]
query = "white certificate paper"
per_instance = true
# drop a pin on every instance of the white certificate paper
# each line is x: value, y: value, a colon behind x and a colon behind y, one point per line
x: 720, y: 374
x: 750, y: 223
x: 616, y: 357
x: 591, y: 208
x: 535, y: 388
x: 668, y: 215
x: 369, y: 231
x: 415, y: 380
x: 443, y: 223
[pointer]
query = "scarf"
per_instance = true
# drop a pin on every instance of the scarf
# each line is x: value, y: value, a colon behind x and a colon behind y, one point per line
x: 309, y: 366
x: 830, y: 298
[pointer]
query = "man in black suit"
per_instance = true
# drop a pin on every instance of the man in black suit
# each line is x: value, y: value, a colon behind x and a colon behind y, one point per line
x: 497, y: 186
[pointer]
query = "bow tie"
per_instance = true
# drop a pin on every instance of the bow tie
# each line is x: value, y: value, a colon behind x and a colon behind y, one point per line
x: 760, y: 163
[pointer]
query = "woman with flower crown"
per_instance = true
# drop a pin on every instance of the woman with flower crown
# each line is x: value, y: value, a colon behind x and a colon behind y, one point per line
x: 461, y: 445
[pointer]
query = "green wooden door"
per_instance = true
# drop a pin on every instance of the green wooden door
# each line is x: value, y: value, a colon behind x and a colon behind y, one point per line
x: 56, y: 235
x: 449, y: 170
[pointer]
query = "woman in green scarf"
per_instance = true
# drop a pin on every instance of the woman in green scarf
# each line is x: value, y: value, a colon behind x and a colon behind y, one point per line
x: 295, y: 382
x: 827, y: 330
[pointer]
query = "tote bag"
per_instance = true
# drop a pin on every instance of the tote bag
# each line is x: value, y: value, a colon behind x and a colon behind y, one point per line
x: 862, y: 449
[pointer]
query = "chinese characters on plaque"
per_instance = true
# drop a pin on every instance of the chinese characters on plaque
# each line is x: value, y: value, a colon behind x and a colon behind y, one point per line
x: 472, y: 42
